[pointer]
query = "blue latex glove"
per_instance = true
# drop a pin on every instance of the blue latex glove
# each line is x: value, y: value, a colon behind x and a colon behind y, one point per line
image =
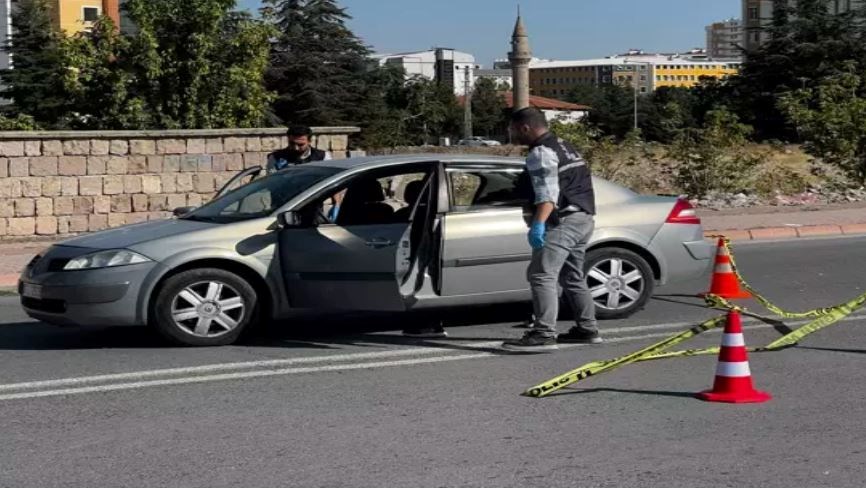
x: 536, y: 235
x: 333, y: 213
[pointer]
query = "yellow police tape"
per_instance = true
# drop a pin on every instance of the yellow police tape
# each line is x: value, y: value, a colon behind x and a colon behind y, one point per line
x: 824, y: 318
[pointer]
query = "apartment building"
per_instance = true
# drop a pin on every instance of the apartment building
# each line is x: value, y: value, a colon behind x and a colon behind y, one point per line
x: 758, y: 15
x: 725, y: 39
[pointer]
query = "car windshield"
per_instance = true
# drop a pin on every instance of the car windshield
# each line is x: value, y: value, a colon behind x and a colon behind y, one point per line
x: 261, y: 197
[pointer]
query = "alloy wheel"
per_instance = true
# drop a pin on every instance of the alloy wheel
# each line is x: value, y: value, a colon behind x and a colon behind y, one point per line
x: 208, y: 309
x: 615, y: 283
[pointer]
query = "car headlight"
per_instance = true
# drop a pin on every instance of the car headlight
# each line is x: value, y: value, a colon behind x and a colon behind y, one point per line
x: 103, y: 259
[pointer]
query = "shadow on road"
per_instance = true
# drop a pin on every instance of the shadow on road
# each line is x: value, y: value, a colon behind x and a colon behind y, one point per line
x: 829, y: 349
x: 573, y: 392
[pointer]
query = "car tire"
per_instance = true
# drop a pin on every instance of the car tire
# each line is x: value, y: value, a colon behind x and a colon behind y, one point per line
x: 204, y: 307
x: 629, y: 278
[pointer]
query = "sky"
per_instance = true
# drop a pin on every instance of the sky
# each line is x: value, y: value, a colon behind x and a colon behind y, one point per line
x: 558, y: 29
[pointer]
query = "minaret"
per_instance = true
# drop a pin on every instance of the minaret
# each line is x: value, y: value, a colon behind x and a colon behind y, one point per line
x: 520, y: 57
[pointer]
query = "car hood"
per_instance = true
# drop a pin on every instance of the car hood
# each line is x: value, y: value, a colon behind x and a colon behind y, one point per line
x: 130, y: 235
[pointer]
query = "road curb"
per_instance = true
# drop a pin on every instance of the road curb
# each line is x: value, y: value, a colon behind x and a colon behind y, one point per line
x: 770, y: 233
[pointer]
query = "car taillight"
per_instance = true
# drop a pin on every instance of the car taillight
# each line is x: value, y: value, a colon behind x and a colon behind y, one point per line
x: 683, y: 213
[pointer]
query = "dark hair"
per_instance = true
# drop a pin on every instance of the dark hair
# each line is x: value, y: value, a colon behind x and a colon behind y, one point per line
x: 531, y: 117
x: 300, y: 131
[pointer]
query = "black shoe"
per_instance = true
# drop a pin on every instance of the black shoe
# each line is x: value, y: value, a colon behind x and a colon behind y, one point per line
x: 580, y: 335
x: 426, y: 332
x: 532, y: 341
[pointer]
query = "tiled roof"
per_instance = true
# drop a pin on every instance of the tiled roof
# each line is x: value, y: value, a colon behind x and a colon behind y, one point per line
x: 540, y: 103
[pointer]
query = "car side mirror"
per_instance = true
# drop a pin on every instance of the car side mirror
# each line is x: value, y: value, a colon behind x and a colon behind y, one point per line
x: 290, y: 220
x: 180, y: 211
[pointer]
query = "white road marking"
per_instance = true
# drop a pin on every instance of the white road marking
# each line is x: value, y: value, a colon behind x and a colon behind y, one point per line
x: 59, y: 387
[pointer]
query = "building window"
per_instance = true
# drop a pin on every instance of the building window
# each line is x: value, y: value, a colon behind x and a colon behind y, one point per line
x: 90, y: 14
x: 753, y: 13
x: 643, y: 78
x: 658, y: 77
x: 606, y: 79
x: 643, y: 90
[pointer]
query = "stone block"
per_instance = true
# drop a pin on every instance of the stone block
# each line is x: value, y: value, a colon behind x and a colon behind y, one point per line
x: 112, y: 185
x: 4, y: 167
x: 90, y: 185
x: 116, y: 220
x: 213, y: 145
x: 142, y: 147
x: 284, y: 141
x: 203, y: 183
x: 151, y: 184
x: 76, y: 147
x: 184, y: 182
x: 357, y: 153
x: 10, y: 188
x: 158, y: 202
x: 100, y: 147
x: 63, y: 225
x: 132, y: 184
x: 222, y: 162
x: 97, y: 164
x: 154, y: 163
x: 118, y: 147
x: 7, y: 208
x: 82, y: 205
x: 205, y: 163
x: 270, y: 144
x: 195, y: 146
x: 171, y: 164
x: 63, y: 205
x: 33, y: 148
x: 254, y: 144
x: 78, y: 223
x: 117, y: 165
x: 339, y: 143
x: 12, y: 148
x: 23, y: 226
x: 98, y: 222
x: 137, y: 217
x: 31, y: 187
x: 102, y: 204
x: 43, y: 166
x: 159, y: 215
x: 2, y: 227
x: 175, y: 200
x: 44, y: 207
x: 52, y: 147
x: 46, y: 226
x: 139, y: 203
x: 121, y: 203
x: 193, y: 200
x: 322, y: 142
x: 25, y: 207
x: 51, y: 186
x: 254, y: 159
x: 19, y: 166
x: 170, y: 146
x: 169, y: 183
x: 234, y: 144
x: 137, y: 164
x: 68, y: 186
x: 71, y: 166
x: 188, y: 163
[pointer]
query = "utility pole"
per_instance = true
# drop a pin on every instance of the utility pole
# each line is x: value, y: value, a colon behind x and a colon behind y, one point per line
x: 467, y: 107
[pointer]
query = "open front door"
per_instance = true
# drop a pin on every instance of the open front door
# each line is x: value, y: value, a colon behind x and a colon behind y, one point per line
x: 361, y: 260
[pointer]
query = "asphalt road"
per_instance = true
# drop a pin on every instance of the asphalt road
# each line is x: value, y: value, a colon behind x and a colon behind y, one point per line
x: 347, y: 402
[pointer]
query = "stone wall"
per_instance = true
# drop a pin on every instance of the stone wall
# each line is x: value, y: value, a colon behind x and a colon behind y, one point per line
x: 71, y: 182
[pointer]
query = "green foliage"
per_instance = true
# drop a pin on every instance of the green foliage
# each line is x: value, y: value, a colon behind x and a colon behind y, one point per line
x: 488, y: 108
x: 832, y: 119
x: 715, y: 157
x: 37, y: 84
x: 612, y: 107
x: 21, y: 122
x: 318, y: 67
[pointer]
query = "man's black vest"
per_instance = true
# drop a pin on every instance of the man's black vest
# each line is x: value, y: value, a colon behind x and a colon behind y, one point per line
x: 575, y: 180
x: 292, y: 159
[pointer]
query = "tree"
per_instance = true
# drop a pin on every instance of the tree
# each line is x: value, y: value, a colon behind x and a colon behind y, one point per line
x: 488, y: 107
x: 832, y: 119
x: 612, y: 107
x: 432, y: 109
x: 318, y: 67
x: 37, y: 82
x: 198, y: 64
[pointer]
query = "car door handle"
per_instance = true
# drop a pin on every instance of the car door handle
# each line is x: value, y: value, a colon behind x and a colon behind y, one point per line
x: 379, y: 242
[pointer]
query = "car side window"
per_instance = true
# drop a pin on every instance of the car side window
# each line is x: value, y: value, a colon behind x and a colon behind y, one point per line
x: 485, y: 187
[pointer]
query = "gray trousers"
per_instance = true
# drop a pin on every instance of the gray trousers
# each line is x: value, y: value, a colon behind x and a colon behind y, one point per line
x: 560, y: 261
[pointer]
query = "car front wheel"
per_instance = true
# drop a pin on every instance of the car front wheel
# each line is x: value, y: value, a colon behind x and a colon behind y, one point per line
x: 621, y: 282
x: 204, y: 307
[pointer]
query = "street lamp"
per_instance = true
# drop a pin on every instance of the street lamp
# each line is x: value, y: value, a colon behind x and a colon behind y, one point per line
x: 636, y: 84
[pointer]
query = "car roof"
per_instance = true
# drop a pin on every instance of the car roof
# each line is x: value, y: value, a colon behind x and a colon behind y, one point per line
x: 380, y: 160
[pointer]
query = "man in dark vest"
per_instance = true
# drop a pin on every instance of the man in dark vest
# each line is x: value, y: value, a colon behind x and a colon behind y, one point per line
x: 299, y: 151
x: 563, y: 209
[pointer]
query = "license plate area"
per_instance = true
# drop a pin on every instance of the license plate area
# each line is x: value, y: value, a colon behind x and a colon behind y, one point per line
x: 31, y: 290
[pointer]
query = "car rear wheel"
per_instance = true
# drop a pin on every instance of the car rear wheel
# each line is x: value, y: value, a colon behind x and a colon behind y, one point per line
x: 204, y: 307
x: 621, y: 282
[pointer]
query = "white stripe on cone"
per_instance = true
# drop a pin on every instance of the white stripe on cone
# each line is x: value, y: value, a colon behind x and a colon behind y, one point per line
x: 733, y: 340
x: 733, y: 369
x: 724, y: 268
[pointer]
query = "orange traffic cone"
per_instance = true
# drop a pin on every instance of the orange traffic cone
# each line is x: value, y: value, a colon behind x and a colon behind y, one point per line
x: 725, y: 282
x: 733, y: 382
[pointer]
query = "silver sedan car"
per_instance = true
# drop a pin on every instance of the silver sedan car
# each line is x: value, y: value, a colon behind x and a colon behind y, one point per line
x: 412, y: 232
